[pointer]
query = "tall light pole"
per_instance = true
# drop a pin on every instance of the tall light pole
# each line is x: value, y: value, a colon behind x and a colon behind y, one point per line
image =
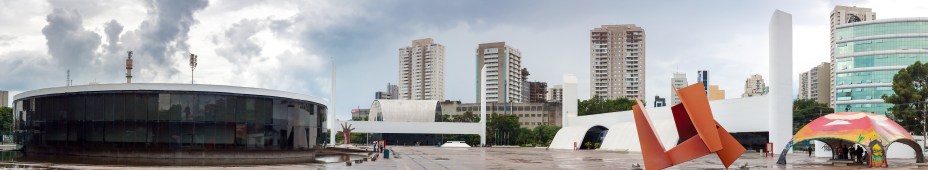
x: 193, y: 65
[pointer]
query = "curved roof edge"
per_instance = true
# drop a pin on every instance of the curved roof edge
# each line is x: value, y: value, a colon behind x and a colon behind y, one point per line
x: 880, y: 21
x: 171, y: 87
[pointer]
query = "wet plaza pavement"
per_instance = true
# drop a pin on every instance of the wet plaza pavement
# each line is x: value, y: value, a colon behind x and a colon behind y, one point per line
x: 528, y: 158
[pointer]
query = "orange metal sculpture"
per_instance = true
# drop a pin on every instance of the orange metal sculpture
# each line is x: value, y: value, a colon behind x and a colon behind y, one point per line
x: 700, y: 133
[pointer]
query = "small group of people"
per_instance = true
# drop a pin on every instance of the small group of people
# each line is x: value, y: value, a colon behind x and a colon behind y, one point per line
x: 854, y: 153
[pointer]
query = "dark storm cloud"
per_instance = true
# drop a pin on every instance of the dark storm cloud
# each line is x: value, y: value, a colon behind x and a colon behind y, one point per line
x: 112, y: 30
x: 163, y: 34
x: 68, y: 42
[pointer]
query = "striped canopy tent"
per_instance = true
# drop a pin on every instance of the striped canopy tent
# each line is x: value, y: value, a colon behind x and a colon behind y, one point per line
x: 857, y: 128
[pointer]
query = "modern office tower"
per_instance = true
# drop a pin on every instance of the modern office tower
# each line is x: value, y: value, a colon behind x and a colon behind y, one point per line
x: 659, y: 102
x: 537, y: 92
x: 678, y: 81
x: 4, y: 98
x: 504, y: 72
x: 391, y: 93
x: 617, y: 61
x: 868, y: 54
x: 842, y: 15
x: 716, y: 93
x: 422, y: 71
x: 555, y: 94
x: 812, y: 84
x: 754, y: 86
x: 703, y: 76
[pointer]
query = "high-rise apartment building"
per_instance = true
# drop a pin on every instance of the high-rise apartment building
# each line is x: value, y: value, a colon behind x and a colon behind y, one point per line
x: 391, y: 93
x: 678, y: 81
x: 422, y: 71
x: 4, y: 98
x: 703, y: 76
x: 842, y: 15
x: 816, y: 84
x: 555, y: 94
x: 754, y: 86
x: 504, y: 72
x: 716, y: 93
x: 617, y: 61
x: 868, y: 54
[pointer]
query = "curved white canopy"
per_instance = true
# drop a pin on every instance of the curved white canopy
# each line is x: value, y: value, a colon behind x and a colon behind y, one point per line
x: 170, y: 87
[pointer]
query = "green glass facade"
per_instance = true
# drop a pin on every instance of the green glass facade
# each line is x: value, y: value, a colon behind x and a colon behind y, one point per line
x: 861, y: 91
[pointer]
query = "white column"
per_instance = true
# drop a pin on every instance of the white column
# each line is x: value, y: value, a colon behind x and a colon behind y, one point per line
x: 330, y: 117
x: 569, y: 102
x: 781, y: 66
x: 483, y: 106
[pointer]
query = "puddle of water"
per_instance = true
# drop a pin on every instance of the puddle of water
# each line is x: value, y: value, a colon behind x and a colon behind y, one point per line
x: 19, y: 157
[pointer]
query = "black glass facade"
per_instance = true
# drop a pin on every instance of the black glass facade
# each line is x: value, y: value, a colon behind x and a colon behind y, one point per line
x: 167, y: 121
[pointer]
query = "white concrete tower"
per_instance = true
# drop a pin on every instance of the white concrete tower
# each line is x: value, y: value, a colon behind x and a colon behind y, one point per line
x: 483, y: 106
x: 781, y: 66
x: 569, y: 104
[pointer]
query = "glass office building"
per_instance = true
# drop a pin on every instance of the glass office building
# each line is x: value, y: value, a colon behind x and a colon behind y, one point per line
x: 169, y: 120
x: 867, y: 56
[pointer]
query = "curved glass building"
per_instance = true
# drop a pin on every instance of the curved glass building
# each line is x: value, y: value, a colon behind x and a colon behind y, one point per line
x: 867, y: 56
x: 168, y: 121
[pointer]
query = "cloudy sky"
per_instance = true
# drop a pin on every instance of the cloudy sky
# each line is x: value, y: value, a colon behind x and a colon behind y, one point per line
x: 289, y: 45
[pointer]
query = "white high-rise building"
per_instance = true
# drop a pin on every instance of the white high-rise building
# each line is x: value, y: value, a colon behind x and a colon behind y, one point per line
x: 555, y: 94
x: 839, y: 16
x: 678, y: 81
x: 754, y: 85
x: 422, y: 71
x: 617, y: 62
x: 504, y: 72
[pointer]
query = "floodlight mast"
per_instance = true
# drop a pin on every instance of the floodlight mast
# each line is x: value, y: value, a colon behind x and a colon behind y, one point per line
x: 193, y: 65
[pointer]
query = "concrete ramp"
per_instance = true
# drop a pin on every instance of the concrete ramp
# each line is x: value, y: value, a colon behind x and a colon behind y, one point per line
x: 624, y: 136
x: 565, y: 138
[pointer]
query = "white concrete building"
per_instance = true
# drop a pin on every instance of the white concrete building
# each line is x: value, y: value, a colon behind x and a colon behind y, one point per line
x: 770, y: 113
x: 422, y: 71
x: 754, y: 86
x: 555, y: 93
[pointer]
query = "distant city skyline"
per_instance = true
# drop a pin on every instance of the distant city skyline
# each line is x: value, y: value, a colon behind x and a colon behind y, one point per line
x: 289, y: 45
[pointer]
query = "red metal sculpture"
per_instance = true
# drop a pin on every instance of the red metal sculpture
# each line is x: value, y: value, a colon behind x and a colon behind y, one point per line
x: 700, y: 133
x: 346, y: 131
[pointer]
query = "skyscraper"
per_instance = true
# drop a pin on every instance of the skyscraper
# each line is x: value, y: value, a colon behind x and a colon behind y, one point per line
x: 815, y: 84
x: 678, y: 81
x: 754, y: 86
x: 504, y: 72
x: 703, y: 76
x: 869, y: 54
x: 842, y: 15
x: 422, y: 71
x: 617, y: 61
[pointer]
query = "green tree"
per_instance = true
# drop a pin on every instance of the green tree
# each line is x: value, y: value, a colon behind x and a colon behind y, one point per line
x: 545, y: 133
x: 910, y: 95
x: 806, y: 110
x: 6, y: 119
x: 526, y: 137
x: 598, y: 106
x: 502, y: 129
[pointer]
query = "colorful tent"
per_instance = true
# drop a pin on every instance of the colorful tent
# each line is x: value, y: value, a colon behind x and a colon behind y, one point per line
x: 859, y: 128
x: 856, y: 127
